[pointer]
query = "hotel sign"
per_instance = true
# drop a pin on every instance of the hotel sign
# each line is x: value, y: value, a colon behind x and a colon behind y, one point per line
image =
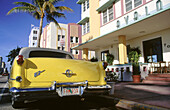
x: 136, y: 15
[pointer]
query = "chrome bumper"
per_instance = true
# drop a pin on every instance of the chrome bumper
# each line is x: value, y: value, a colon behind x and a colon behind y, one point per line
x: 83, y: 88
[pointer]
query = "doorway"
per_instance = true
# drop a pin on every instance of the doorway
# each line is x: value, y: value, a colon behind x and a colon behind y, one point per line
x: 153, y: 50
x: 104, y: 54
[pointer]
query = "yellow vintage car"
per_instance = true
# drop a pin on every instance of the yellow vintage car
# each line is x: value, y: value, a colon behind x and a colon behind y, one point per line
x: 39, y: 73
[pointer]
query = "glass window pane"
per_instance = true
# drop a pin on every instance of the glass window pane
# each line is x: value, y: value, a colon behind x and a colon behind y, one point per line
x: 71, y: 39
x: 84, y: 28
x: 128, y: 4
x: 84, y: 6
x: 104, y: 16
x: 110, y: 13
x: 87, y: 4
x: 88, y: 27
x: 59, y: 37
x: 137, y: 3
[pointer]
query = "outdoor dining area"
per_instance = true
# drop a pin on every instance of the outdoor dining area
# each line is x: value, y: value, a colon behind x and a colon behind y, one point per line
x: 161, y: 67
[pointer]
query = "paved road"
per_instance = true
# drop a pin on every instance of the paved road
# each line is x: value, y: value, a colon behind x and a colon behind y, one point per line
x: 74, y: 103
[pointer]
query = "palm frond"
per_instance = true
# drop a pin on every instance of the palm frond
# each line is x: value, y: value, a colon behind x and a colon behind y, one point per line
x: 57, y: 15
x: 55, y: 1
x: 21, y: 9
x: 50, y: 18
x: 38, y: 3
x: 63, y: 8
x: 36, y: 15
x: 31, y: 6
x: 25, y: 4
x: 50, y: 7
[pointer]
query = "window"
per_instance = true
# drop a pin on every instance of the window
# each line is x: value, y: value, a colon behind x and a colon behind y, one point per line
x: 128, y: 4
x: 49, y: 54
x: 34, y: 32
x: 71, y: 39
x: 110, y: 13
x: 63, y: 36
x: 62, y: 48
x: 71, y: 50
x: 77, y: 40
x: 84, y: 28
x: 153, y: 50
x: 59, y: 37
x: 105, y: 17
x: 137, y: 3
x: 87, y: 4
x: 88, y: 30
x: 34, y: 38
x: 104, y: 54
x: 84, y: 6
x: 77, y: 52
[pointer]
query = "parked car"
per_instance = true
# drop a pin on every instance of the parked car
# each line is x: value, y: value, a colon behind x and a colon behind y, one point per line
x: 39, y: 73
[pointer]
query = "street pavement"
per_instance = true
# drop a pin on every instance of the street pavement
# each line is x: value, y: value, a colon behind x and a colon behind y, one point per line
x: 67, y: 103
x: 142, y: 96
x: 127, y: 95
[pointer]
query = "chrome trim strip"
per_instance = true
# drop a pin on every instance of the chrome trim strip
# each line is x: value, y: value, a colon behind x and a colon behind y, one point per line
x: 12, y: 79
x: 57, y: 89
x: 15, y: 90
x: 74, y: 83
x: 100, y: 87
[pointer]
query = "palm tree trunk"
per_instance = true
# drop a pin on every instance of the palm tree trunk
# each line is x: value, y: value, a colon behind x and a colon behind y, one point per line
x: 40, y: 31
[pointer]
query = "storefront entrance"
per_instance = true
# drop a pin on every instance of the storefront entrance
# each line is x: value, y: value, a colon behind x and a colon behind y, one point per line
x: 153, y: 50
x: 104, y: 54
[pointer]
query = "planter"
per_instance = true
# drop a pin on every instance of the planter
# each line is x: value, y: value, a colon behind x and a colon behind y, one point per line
x: 136, y: 78
x: 112, y: 84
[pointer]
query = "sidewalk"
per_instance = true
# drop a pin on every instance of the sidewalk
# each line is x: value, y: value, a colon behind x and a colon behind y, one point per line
x: 142, y: 96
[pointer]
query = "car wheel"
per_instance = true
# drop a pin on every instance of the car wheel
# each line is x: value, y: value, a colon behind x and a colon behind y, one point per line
x: 17, y: 104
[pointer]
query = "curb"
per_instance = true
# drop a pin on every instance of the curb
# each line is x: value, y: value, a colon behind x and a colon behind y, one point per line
x: 132, y: 105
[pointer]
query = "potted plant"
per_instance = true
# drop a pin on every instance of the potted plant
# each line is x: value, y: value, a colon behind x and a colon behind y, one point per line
x: 94, y: 59
x: 134, y: 55
x: 112, y: 78
x: 109, y: 58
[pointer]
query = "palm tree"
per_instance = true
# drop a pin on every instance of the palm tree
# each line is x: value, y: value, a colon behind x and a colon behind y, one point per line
x: 40, y: 9
x: 12, y: 54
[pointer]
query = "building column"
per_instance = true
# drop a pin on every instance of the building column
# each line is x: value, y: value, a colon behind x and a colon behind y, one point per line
x: 122, y: 49
x: 85, y: 53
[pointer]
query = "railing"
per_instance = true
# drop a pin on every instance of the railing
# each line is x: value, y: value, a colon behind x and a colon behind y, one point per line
x: 159, y: 67
x: 124, y: 71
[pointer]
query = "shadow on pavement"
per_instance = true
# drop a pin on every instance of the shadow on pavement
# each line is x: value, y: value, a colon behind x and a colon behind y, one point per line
x: 73, y: 103
x: 152, y: 94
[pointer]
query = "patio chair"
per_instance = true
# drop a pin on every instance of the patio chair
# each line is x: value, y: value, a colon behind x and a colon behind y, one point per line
x: 163, y: 67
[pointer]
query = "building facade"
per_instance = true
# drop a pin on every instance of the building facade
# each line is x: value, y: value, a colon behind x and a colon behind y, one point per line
x: 90, y: 25
x: 117, y: 25
x: 33, y: 37
x: 63, y: 38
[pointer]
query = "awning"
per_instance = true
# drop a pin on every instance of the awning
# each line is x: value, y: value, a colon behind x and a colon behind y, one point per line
x: 83, y: 21
x: 105, y: 6
x: 150, y: 24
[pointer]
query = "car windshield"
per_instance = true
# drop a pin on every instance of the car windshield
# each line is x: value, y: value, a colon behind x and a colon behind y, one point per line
x: 49, y: 54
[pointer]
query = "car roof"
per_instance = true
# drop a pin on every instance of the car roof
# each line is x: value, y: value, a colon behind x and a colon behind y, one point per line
x: 26, y: 51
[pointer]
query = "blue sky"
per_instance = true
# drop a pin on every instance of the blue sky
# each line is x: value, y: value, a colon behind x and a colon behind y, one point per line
x: 15, y: 28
